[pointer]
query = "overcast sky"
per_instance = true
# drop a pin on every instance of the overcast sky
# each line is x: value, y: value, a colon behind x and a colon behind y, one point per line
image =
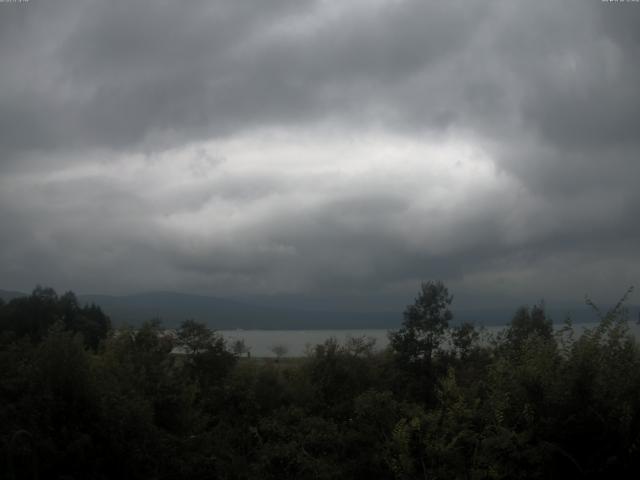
x: 329, y: 149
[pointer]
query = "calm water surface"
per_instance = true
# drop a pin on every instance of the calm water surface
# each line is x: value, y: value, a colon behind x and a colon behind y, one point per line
x: 297, y: 342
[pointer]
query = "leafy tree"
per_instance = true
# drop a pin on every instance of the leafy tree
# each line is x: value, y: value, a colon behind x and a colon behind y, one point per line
x: 279, y: 351
x: 239, y: 347
x: 527, y: 322
x: 195, y: 337
x: 424, y: 325
x: 464, y: 338
x: 415, y: 345
x: 89, y: 320
x: 34, y: 315
x: 206, y: 357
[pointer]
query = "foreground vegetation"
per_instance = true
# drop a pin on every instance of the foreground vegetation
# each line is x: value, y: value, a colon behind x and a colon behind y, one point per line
x: 80, y: 400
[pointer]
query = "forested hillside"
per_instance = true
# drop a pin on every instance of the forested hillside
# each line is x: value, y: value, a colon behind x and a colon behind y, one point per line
x: 81, y: 400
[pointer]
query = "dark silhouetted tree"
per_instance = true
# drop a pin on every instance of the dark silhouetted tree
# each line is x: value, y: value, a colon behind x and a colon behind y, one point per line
x: 415, y: 344
x: 425, y: 322
x: 529, y: 322
x: 279, y: 351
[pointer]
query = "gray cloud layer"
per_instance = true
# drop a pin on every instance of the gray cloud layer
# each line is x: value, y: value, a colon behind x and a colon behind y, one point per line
x: 133, y: 152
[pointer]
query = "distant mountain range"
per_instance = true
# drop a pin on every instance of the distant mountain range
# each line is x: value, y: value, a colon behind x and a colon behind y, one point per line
x: 221, y: 313
x: 7, y: 295
x: 172, y: 308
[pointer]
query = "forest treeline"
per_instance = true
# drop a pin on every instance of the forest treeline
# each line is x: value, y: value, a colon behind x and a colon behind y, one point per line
x: 80, y: 400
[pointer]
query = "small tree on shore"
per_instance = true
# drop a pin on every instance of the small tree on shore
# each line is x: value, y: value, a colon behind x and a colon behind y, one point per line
x: 239, y: 347
x: 279, y: 351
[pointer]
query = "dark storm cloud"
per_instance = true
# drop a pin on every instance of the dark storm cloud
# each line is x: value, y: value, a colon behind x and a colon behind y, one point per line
x: 548, y: 91
x: 585, y: 97
x: 92, y: 73
x: 114, y: 74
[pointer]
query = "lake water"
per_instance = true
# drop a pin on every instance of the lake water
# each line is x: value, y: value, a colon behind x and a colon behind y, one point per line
x: 296, y: 342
